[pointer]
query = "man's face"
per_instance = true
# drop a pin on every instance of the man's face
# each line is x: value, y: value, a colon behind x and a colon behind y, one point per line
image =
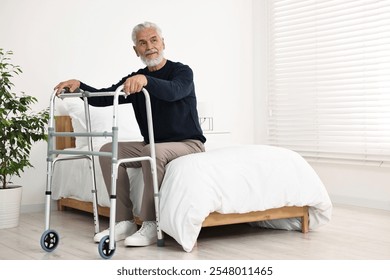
x: 150, y: 47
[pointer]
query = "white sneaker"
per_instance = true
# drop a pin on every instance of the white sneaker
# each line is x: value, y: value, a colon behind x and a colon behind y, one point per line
x: 145, y: 236
x: 122, y: 230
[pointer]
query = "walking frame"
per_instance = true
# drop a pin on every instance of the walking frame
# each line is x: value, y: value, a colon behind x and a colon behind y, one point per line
x: 106, y: 248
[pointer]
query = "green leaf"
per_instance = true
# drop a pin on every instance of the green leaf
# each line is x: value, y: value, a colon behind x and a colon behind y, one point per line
x: 19, y: 126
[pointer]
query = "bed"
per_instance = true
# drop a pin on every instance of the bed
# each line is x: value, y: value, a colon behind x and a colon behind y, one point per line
x: 262, y: 185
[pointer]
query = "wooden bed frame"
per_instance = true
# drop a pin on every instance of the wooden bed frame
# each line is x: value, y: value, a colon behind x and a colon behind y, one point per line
x: 64, y: 124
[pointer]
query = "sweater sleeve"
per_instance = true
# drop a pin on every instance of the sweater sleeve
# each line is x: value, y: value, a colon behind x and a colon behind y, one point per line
x: 180, y: 86
x: 102, y: 101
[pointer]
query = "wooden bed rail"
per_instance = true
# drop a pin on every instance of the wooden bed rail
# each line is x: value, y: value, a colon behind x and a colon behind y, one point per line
x: 214, y: 219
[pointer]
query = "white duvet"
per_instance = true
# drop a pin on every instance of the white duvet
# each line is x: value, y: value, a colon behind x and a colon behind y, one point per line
x: 238, y: 180
x: 228, y: 180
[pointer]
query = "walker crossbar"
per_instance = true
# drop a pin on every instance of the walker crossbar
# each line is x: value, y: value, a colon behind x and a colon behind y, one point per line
x: 82, y: 134
x: 74, y: 152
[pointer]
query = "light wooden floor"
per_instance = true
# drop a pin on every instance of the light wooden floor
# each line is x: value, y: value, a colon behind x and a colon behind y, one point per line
x: 353, y: 234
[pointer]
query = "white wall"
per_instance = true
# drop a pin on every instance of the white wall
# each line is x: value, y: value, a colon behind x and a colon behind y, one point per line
x: 91, y: 41
x: 366, y: 186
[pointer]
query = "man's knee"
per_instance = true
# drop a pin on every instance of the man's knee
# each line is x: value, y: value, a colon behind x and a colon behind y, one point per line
x: 106, y: 147
x: 161, y: 154
x: 105, y: 161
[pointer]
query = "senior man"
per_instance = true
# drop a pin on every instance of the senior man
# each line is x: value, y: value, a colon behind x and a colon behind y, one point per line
x: 177, y: 130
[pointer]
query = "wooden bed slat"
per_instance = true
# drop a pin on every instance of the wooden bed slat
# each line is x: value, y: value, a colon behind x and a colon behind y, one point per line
x: 64, y: 124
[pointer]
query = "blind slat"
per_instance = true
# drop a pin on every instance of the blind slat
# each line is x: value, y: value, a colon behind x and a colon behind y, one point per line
x: 329, y: 79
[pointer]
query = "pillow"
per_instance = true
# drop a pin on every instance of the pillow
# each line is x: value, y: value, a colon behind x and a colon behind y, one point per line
x: 101, y: 120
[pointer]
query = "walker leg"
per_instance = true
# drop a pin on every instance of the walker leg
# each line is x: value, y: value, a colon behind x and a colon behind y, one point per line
x: 93, y: 177
x: 50, y: 238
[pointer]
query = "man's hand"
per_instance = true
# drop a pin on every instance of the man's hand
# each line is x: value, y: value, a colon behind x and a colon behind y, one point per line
x: 134, y: 84
x: 71, y: 84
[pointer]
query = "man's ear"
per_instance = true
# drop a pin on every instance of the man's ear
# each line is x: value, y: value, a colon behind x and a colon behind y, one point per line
x: 136, y: 52
x: 163, y: 43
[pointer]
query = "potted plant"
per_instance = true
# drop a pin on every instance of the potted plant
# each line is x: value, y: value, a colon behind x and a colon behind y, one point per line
x: 19, y: 129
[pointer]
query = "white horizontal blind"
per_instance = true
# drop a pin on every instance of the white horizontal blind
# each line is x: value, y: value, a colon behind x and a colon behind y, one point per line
x: 329, y: 79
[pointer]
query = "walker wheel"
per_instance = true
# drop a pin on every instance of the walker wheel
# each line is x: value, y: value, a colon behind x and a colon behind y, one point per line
x: 104, y: 248
x: 49, y: 240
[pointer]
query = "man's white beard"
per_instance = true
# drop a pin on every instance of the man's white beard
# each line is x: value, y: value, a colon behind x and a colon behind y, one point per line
x: 153, y: 62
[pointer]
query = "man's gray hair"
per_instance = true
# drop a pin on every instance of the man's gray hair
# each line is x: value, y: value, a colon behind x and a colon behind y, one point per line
x: 142, y: 26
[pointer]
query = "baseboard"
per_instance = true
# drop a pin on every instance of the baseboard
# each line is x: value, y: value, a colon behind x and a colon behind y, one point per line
x: 336, y: 199
x: 360, y: 202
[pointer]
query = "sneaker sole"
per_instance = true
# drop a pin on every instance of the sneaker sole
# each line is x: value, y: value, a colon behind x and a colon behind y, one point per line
x: 139, y: 244
x: 118, y: 238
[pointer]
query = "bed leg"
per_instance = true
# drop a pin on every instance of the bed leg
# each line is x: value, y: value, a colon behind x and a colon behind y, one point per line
x: 305, y: 220
x: 60, y: 207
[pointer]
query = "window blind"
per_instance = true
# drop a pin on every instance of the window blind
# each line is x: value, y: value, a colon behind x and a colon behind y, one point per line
x: 329, y: 79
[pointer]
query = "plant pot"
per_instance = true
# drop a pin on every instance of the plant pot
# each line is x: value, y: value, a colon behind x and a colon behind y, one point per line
x: 10, y: 201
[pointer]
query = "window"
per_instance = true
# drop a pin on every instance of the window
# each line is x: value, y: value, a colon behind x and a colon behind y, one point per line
x: 329, y: 79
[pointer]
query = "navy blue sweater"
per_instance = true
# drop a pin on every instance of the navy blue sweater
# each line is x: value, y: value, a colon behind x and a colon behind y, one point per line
x: 173, y: 100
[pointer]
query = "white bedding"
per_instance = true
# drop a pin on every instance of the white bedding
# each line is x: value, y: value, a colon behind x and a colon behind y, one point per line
x: 238, y: 180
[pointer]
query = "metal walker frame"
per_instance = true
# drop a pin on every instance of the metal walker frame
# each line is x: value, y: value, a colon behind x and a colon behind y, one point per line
x: 106, y: 248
